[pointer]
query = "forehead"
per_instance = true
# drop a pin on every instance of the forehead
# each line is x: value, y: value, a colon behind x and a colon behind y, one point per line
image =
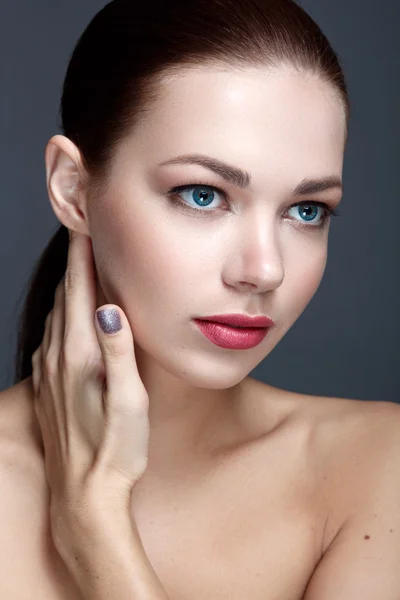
x: 282, y: 121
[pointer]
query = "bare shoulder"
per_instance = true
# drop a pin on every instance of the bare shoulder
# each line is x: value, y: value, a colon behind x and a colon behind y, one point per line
x: 23, y: 500
x: 19, y: 430
x: 356, y: 445
x: 352, y: 430
x: 359, y: 452
x: 29, y: 564
x: 349, y: 449
x: 336, y: 425
x: 348, y: 424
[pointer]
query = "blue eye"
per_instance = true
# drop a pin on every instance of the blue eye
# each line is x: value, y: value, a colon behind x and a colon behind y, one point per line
x: 204, y: 195
x: 307, y: 211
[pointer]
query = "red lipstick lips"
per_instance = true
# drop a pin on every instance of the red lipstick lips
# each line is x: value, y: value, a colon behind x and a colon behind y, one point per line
x: 235, y: 332
x: 240, y: 320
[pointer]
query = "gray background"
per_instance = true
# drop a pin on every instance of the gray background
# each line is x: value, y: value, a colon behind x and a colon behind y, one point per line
x: 345, y: 343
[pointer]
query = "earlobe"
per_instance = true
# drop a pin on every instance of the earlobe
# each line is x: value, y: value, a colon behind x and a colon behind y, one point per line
x: 64, y: 174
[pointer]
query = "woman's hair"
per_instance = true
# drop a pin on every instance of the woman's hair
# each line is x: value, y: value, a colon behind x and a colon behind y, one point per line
x: 117, y: 70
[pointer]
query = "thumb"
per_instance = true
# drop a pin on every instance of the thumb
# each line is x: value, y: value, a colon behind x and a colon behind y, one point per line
x: 117, y: 346
x: 125, y: 445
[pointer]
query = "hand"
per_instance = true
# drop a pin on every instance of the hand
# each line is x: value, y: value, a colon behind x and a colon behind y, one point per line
x: 91, y: 405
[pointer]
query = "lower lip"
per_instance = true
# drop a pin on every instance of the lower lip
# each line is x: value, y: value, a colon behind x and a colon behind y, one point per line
x: 231, y: 337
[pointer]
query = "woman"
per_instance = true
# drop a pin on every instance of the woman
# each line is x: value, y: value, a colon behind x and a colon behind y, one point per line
x: 200, y: 162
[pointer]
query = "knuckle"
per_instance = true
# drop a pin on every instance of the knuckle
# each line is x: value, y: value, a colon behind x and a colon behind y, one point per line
x: 142, y: 413
x: 113, y: 350
x: 70, y: 345
x: 77, y: 354
x: 69, y: 357
x: 142, y: 465
x: 123, y: 405
x: 51, y: 364
x: 70, y: 280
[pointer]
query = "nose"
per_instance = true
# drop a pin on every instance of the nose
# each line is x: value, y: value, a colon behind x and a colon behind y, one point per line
x: 256, y: 263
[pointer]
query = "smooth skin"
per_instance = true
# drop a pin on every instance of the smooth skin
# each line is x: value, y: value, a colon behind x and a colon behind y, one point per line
x: 93, y: 416
x: 89, y: 399
x: 302, y: 480
x: 164, y: 264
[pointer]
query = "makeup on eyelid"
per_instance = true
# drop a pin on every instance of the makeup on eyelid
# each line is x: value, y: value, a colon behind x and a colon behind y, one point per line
x: 174, y: 195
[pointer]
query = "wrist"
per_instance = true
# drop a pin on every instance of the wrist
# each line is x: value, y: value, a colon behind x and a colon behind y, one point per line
x: 106, y: 558
x: 89, y: 527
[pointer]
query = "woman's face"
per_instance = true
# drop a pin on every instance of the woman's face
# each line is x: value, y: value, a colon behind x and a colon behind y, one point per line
x: 257, y: 251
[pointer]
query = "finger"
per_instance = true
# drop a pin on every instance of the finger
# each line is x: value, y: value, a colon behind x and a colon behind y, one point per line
x: 117, y: 347
x: 58, y: 321
x: 80, y: 292
x: 47, y: 334
x: 55, y: 408
x: 126, y: 402
x: 36, y: 369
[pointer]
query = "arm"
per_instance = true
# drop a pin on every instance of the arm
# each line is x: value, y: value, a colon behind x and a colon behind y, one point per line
x: 363, y: 561
x: 106, y: 558
x: 92, y: 409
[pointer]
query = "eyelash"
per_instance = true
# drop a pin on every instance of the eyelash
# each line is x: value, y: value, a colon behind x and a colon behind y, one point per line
x: 173, y: 195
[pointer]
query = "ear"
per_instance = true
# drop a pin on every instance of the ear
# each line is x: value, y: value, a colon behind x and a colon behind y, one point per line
x: 65, y: 183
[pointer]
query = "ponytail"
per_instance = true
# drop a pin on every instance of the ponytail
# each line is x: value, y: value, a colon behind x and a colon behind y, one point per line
x: 109, y: 89
x: 39, y: 301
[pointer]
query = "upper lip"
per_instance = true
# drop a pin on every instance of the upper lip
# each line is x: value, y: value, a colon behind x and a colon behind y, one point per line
x: 241, y: 320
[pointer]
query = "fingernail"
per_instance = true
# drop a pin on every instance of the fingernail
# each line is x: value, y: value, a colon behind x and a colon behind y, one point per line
x: 109, y: 320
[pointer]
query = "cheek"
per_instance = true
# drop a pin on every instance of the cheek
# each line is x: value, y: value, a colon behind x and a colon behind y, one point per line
x: 301, y: 283
x: 139, y: 262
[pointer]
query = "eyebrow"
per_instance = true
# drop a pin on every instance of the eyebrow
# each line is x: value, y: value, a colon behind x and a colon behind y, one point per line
x: 242, y: 179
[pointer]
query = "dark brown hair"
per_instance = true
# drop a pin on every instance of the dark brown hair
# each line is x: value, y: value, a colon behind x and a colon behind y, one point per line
x: 117, y: 69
